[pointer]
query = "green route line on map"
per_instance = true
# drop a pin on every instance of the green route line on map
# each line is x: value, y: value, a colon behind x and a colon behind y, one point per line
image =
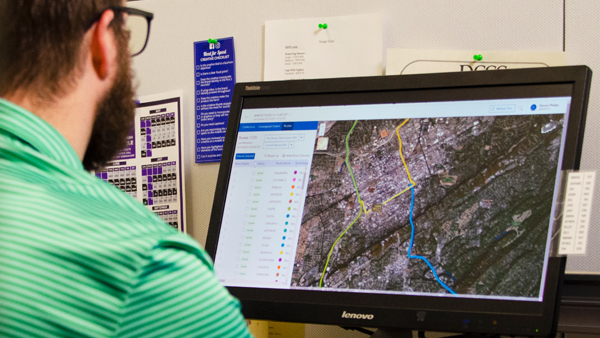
x: 359, y: 201
x: 348, y: 161
x: 411, y: 187
x: 362, y: 205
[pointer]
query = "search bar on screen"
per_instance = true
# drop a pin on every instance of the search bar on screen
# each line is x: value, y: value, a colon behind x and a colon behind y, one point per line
x: 503, y: 108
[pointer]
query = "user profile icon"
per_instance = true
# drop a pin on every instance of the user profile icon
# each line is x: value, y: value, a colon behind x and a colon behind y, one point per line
x: 533, y: 107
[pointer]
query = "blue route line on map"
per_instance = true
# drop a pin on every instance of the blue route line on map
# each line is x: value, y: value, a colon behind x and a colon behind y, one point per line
x: 500, y: 236
x: 412, y: 236
x: 448, y: 273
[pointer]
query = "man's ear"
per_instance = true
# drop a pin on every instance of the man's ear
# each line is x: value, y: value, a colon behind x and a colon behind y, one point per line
x: 104, y: 46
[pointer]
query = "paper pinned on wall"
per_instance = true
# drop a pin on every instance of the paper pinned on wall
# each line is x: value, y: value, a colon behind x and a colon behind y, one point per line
x: 214, y: 67
x: 577, y: 213
x: 411, y: 61
x: 299, y: 49
x: 150, y: 167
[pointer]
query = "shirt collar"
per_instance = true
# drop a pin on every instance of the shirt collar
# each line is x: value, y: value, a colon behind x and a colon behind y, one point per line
x: 37, y: 133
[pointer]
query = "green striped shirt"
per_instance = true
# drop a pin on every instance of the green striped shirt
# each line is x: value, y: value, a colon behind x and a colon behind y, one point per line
x: 79, y: 258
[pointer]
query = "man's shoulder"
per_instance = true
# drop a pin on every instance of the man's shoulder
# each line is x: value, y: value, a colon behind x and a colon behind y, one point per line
x: 68, y: 198
x: 183, y: 242
x: 20, y: 162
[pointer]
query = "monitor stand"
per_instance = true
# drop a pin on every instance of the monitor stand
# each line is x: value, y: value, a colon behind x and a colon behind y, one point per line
x: 391, y: 333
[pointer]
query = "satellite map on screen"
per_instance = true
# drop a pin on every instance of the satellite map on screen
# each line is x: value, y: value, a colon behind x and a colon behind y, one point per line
x: 456, y: 205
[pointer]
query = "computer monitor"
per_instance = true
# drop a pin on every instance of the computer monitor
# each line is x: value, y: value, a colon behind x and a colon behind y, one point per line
x: 419, y: 202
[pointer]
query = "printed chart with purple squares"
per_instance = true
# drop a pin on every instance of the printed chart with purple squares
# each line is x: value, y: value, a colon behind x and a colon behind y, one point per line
x: 150, y: 168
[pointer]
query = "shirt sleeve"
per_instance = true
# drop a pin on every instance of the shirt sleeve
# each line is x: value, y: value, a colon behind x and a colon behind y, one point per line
x: 178, y: 295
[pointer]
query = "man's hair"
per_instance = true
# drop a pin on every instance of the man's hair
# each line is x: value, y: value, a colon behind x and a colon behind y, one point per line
x: 41, y: 40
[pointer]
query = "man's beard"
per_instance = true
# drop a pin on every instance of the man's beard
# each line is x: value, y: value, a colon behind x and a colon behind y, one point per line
x: 114, y: 115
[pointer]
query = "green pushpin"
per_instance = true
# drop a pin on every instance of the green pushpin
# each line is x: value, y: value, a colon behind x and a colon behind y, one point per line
x: 477, y: 57
x: 212, y: 41
x: 323, y: 25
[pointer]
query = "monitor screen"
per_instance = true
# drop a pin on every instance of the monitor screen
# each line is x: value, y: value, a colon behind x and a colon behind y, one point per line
x: 442, y: 199
x: 425, y: 194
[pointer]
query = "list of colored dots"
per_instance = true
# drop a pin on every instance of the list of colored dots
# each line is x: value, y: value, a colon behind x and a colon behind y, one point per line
x: 287, y: 216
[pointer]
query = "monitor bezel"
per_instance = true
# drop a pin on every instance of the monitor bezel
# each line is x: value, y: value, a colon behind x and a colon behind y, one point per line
x: 512, y: 317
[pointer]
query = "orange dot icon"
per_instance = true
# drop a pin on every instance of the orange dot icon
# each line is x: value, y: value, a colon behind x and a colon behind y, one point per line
x: 293, y: 186
x: 279, y: 267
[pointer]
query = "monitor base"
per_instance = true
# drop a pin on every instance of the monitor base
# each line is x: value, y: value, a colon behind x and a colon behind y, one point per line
x: 474, y: 335
x: 391, y: 333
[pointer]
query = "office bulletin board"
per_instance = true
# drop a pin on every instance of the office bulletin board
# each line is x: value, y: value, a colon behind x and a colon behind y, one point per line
x: 509, y: 25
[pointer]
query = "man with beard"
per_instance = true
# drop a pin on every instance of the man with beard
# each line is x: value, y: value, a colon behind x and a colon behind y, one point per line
x: 77, y: 256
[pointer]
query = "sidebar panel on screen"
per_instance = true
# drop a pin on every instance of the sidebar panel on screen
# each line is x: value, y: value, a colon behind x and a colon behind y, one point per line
x: 265, y: 199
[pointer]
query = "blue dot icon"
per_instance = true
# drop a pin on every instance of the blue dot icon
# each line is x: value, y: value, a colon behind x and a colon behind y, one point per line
x: 533, y: 107
x: 283, y: 237
x: 282, y: 245
x: 287, y: 216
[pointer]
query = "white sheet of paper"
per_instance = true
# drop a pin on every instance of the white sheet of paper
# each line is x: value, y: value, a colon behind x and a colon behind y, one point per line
x: 299, y: 49
x: 576, y: 213
x: 413, y: 61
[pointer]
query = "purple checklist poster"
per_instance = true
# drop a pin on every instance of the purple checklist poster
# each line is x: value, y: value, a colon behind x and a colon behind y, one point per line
x: 214, y: 65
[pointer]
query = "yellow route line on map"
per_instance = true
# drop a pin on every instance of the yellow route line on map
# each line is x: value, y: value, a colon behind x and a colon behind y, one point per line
x: 334, y: 243
x: 398, y: 194
x: 407, y: 172
x: 361, y: 203
x: 360, y: 209
x: 400, y: 151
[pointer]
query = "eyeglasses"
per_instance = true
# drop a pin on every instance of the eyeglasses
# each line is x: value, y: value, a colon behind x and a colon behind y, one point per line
x: 137, y: 24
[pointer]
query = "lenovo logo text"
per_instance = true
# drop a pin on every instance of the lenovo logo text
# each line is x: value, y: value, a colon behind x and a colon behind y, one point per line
x: 357, y: 315
x: 252, y: 87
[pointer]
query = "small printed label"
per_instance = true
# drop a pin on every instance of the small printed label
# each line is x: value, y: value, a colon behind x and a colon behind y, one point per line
x: 576, y: 213
x: 322, y: 129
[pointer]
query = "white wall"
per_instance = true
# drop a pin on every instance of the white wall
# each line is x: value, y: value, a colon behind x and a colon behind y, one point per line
x: 582, y: 46
x: 533, y: 25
